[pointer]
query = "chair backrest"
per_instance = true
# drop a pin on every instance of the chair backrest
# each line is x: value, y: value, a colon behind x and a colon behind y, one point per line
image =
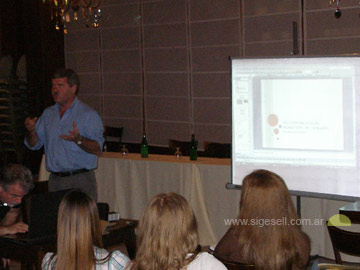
x: 332, y: 266
x: 113, y: 137
x: 218, y: 150
x: 236, y: 265
x: 159, y: 150
x: 344, y: 241
x: 43, y: 187
x: 39, y: 187
x: 103, y: 209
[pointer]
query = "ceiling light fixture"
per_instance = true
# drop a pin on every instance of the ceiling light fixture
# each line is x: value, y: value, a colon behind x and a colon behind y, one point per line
x: 61, y: 11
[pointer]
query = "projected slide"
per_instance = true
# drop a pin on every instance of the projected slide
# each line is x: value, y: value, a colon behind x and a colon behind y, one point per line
x: 300, y: 118
x: 295, y: 115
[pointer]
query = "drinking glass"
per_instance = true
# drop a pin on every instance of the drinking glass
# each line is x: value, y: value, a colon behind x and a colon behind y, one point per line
x: 178, y: 153
x: 124, y: 150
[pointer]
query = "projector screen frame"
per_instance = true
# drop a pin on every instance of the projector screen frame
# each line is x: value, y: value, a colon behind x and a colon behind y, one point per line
x: 308, y: 194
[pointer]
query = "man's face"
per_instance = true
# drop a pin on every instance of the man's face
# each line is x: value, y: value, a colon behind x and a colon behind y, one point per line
x: 62, y: 92
x: 13, y: 195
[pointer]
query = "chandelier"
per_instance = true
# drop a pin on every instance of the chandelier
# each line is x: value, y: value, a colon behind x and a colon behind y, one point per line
x: 337, y: 10
x: 61, y: 11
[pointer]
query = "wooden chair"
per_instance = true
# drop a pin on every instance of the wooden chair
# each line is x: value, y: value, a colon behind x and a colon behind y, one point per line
x: 158, y: 150
x: 236, y: 265
x: 344, y: 241
x: 103, y: 209
x: 43, y: 187
x: 13, y: 111
x: 217, y: 150
x: 230, y: 265
x: 113, y: 137
x: 330, y: 266
x: 39, y: 187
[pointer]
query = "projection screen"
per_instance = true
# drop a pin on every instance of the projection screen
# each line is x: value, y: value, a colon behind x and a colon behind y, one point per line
x: 298, y: 117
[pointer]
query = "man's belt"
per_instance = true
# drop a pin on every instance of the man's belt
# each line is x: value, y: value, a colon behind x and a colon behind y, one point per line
x: 70, y: 173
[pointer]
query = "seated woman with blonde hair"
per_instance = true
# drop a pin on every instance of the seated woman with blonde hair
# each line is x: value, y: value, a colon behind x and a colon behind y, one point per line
x: 79, y: 238
x: 267, y: 234
x: 168, y: 238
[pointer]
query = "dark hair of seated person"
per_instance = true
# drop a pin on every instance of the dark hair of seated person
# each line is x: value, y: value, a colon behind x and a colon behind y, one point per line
x: 271, y: 239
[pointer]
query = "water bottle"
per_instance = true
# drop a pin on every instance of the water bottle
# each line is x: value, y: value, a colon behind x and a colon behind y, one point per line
x: 144, y: 147
x: 193, y: 148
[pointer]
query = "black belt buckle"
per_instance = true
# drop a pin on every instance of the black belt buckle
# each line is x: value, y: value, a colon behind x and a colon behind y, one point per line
x: 70, y: 173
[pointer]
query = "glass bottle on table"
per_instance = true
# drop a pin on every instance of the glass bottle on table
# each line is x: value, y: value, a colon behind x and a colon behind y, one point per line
x: 144, y: 147
x: 193, y: 147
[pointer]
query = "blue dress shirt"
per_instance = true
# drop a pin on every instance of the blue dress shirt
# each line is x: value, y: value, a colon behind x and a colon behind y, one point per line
x: 62, y: 155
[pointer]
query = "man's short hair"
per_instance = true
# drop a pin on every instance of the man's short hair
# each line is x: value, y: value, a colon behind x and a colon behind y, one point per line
x: 16, y: 174
x: 70, y: 75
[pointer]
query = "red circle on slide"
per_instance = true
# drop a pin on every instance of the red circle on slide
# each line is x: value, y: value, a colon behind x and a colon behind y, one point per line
x: 273, y: 120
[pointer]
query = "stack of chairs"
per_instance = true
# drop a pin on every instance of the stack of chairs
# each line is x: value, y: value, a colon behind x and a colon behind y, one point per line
x: 13, y: 110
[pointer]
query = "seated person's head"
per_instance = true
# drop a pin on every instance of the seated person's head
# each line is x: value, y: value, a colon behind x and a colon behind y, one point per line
x: 167, y: 233
x: 79, y: 238
x: 267, y: 233
x: 78, y: 218
x: 15, y: 182
x: 264, y: 195
x: 78, y: 230
x: 272, y: 238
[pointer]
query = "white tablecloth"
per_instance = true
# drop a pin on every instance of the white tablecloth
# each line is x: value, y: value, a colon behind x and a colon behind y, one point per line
x: 128, y: 183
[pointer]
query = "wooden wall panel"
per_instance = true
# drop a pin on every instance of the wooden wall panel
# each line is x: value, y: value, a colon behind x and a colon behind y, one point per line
x: 171, y: 57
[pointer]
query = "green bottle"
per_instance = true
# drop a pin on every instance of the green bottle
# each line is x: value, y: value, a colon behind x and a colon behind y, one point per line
x: 193, y: 148
x: 144, y: 147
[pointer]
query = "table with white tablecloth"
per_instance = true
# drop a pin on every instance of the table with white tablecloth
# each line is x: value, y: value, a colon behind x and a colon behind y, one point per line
x: 128, y: 182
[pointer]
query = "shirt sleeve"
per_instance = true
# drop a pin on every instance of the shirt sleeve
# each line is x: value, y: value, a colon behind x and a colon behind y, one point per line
x: 206, y: 261
x: 95, y: 129
x: 39, y: 132
x: 118, y: 261
x: 45, y: 262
